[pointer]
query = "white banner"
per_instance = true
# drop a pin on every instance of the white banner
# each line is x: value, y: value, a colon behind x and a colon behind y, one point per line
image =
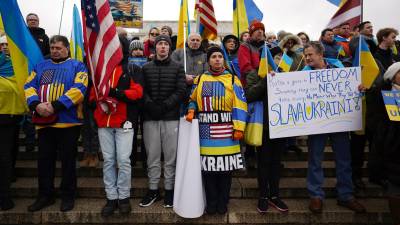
x: 314, y: 102
x: 189, y: 197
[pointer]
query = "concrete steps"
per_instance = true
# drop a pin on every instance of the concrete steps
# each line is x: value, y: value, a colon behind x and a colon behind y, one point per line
x: 242, y: 206
x: 27, y: 168
x: 92, y: 187
x: 241, y: 211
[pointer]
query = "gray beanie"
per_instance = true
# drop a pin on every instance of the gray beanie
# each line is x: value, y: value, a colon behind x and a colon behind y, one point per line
x: 136, y: 44
x: 391, y: 71
x: 163, y: 38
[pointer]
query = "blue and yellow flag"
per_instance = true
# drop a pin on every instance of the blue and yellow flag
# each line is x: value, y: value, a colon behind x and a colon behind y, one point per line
x: 341, y: 52
x: 267, y: 63
x: 24, y: 51
x: 337, y: 2
x: 76, y: 45
x: 392, y: 101
x: 227, y: 62
x: 334, y: 62
x: 285, y: 63
x: 395, y: 50
x: 369, y: 68
x: 183, y: 21
x: 244, y: 12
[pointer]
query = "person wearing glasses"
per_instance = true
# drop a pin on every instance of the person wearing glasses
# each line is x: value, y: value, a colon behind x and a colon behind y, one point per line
x: 149, y: 46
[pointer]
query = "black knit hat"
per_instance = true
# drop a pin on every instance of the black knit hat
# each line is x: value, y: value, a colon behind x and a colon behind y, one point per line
x: 163, y: 37
x: 213, y: 49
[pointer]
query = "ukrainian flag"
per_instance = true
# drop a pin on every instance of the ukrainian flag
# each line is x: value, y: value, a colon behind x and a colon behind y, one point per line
x: 337, y: 2
x: 394, y: 50
x: 341, y: 52
x: 369, y: 67
x: 24, y: 51
x: 244, y: 12
x: 285, y: 63
x: 183, y: 19
x: 227, y: 62
x: 266, y: 63
x: 76, y: 45
x: 335, y: 62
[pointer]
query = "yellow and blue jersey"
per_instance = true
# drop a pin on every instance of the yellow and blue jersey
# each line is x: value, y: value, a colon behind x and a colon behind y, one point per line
x: 65, y: 82
x: 222, y: 108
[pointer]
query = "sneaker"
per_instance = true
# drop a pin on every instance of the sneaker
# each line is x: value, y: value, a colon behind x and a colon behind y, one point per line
x: 262, y: 206
x: 278, y: 204
x: 169, y: 199
x: 109, y: 208
x: 124, y: 206
x: 151, y: 197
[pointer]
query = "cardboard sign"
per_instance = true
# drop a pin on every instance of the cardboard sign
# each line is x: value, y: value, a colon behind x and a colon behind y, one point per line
x: 392, y: 103
x: 314, y: 102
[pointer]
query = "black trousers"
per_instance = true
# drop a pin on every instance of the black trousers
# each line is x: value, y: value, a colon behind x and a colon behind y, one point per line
x: 135, y: 152
x: 217, y: 187
x: 7, y: 140
x: 269, y: 166
x: 65, y: 141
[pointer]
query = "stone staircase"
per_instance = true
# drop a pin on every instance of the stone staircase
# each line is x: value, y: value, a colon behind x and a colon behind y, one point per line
x: 242, y: 207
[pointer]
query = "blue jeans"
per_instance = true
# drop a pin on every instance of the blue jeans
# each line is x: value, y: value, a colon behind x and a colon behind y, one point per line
x: 116, y: 146
x: 315, y: 175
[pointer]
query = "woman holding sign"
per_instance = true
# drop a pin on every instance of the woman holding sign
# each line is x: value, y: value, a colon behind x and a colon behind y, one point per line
x: 218, y: 98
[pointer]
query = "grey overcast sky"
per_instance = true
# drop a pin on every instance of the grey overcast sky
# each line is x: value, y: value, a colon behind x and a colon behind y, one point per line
x: 310, y: 16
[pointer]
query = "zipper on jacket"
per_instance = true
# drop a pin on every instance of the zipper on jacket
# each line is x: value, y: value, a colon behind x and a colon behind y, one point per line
x: 112, y: 83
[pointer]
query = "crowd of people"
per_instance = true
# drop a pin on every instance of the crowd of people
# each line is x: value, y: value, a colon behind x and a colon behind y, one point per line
x: 151, y: 89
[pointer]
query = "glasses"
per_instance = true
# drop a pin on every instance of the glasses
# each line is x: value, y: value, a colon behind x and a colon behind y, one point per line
x: 154, y: 34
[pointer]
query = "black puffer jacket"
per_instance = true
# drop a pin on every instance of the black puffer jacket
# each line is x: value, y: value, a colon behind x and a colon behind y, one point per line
x: 164, y: 89
x: 42, y: 40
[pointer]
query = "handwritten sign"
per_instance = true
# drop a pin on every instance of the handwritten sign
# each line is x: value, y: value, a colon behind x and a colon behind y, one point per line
x: 314, y: 102
x: 392, y: 103
x: 127, y: 13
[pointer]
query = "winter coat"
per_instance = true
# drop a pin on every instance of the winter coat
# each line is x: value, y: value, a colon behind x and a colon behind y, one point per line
x: 164, y: 89
x: 249, y: 59
x: 149, y: 48
x: 41, y: 39
x: 127, y: 89
x: 196, y: 60
x: 295, y: 52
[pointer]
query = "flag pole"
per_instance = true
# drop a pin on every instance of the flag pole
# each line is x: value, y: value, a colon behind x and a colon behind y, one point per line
x: 184, y: 46
x: 62, y: 13
x: 362, y: 11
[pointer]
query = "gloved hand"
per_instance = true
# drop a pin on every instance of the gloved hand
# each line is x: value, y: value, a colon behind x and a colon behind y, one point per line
x: 237, y: 135
x: 190, y: 115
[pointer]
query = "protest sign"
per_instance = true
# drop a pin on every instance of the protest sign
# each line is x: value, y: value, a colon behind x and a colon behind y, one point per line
x: 392, y: 103
x: 314, y: 102
x: 127, y: 13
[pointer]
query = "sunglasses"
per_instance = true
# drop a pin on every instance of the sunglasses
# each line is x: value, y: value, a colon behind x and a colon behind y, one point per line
x: 154, y: 34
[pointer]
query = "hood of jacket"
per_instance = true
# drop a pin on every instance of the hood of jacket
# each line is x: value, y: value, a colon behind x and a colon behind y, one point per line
x: 297, y: 42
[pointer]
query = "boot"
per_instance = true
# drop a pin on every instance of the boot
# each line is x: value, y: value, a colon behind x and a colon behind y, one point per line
x: 93, y: 160
x: 85, y: 161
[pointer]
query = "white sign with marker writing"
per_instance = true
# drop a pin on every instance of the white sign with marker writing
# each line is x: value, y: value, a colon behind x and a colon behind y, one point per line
x: 314, y: 102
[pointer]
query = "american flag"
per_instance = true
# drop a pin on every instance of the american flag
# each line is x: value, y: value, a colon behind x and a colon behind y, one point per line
x: 45, y: 84
x: 206, y: 22
x: 213, y: 94
x: 102, y: 44
x: 216, y: 131
x: 349, y: 11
